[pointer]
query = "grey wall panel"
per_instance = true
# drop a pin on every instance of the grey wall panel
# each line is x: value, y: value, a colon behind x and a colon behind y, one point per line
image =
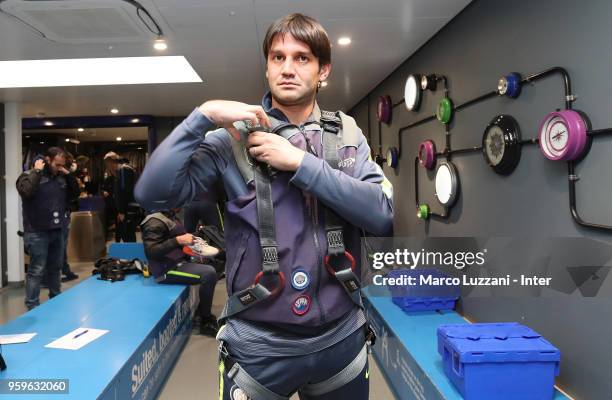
x: 489, y: 39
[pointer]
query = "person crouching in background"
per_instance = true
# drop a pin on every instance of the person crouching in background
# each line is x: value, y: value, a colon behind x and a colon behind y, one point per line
x: 165, y: 239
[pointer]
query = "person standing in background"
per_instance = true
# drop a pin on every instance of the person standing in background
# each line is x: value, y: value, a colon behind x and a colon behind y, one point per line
x: 109, y: 206
x: 72, y: 205
x: 124, y: 179
x: 45, y: 192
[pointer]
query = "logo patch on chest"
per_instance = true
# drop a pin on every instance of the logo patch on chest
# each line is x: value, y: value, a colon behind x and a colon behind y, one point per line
x: 300, y: 279
x: 346, y: 163
x: 301, y: 305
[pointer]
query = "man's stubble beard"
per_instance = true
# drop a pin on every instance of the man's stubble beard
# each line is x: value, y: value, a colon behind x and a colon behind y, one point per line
x: 306, y: 99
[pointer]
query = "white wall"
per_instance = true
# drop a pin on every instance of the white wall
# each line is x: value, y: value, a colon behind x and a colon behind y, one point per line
x: 14, y: 223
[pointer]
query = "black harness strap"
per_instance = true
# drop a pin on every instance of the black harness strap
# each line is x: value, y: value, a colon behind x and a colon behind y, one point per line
x: 332, y: 125
x: 257, y: 293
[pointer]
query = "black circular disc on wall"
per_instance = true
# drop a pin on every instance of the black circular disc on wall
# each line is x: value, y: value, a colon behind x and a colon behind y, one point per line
x: 501, y: 144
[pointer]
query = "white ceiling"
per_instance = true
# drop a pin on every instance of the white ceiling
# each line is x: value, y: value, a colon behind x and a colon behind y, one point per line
x: 96, y: 134
x: 222, y: 41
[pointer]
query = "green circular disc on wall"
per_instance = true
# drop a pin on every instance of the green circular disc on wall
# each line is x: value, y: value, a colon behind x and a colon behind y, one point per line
x: 444, y: 112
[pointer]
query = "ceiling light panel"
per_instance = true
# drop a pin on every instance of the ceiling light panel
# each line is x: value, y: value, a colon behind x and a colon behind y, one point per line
x: 96, y: 71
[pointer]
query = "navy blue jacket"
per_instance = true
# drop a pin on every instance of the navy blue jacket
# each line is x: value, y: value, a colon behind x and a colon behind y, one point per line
x: 45, y: 199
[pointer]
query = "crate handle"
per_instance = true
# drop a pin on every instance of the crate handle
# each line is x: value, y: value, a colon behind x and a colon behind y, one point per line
x: 446, y: 353
x: 457, y: 364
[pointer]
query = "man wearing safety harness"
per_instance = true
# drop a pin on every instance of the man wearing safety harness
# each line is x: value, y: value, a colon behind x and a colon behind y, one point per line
x: 301, y: 185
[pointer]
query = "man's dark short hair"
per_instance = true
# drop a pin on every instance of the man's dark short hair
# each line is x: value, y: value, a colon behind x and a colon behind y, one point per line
x: 302, y: 28
x: 53, y: 152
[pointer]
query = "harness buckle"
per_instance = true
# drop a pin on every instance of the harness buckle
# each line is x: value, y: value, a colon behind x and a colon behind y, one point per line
x: 331, y: 128
x: 270, y: 255
x: 281, y: 282
x: 370, y: 335
x: 348, y: 257
x: 233, y: 371
x: 335, y: 240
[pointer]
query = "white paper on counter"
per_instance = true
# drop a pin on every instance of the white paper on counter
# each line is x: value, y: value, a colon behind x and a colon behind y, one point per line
x: 16, y: 338
x: 68, y: 341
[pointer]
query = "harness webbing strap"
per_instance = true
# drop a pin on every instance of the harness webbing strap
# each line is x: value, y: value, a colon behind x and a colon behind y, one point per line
x: 347, y: 375
x: 332, y: 126
x: 255, y: 294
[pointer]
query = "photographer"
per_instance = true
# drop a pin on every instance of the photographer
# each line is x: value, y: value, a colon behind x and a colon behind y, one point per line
x: 46, y: 191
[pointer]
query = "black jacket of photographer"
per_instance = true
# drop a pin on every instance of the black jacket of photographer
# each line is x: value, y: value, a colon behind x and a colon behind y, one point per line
x: 123, y: 188
x: 46, y: 199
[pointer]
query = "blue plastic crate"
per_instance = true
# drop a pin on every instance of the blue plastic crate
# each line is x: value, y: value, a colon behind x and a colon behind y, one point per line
x: 422, y: 297
x: 504, y: 361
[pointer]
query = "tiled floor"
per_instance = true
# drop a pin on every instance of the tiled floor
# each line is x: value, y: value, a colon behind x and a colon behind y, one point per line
x: 195, y: 373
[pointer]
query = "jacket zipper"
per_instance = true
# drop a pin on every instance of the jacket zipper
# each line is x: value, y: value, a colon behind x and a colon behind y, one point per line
x: 315, y: 230
x: 314, y: 223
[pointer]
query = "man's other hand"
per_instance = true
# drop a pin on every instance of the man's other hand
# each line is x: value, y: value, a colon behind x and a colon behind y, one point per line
x: 275, y: 150
x: 224, y: 113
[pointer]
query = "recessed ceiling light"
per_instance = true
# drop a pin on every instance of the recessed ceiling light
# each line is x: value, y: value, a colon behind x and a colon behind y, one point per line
x: 96, y: 71
x: 136, y: 120
x: 323, y: 83
x: 67, y: 139
x: 160, y: 45
x: 139, y: 148
x: 48, y: 123
x: 343, y: 41
x: 42, y: 142
x: 80, y: 129
x: 114, y: 111
x: 118, y: 138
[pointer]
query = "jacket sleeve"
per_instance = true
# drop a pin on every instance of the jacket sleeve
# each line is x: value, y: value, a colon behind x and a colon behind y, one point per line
x: 186, y: 163
x: 365, y: 199
x: 125, y: 189
x: 73, y: 189
x: 156, y: 239
x: 27, y: 183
